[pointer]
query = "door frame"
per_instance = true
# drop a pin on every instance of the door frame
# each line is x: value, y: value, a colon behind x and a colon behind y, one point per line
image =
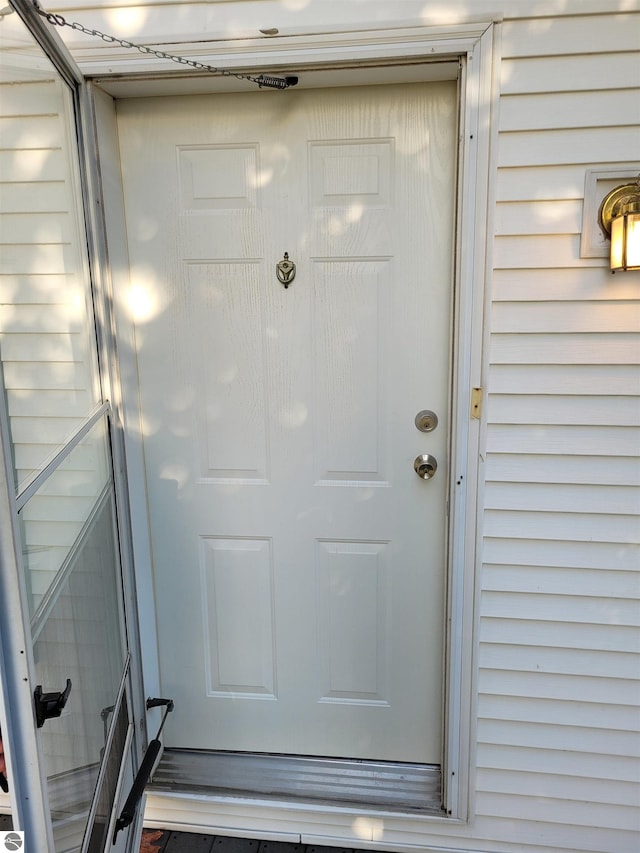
x: 475, y: 46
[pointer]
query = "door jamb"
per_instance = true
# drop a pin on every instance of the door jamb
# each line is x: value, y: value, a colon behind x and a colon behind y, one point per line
x: 474, y: 227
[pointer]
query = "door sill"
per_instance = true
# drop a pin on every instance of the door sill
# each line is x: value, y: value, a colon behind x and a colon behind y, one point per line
x: 381, y: 784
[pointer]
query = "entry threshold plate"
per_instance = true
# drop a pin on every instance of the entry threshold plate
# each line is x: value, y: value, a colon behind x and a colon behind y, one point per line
x: 328, y: 780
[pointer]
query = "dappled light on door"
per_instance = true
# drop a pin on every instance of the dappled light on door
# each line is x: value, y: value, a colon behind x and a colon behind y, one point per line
x: 294, y: 415
x: 338, y: 224
x: 145, y: 298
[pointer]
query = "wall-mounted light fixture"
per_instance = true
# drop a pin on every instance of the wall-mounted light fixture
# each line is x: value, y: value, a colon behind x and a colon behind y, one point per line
x: 619, y: 218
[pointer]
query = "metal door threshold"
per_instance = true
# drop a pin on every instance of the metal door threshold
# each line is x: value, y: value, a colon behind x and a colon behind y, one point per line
x: 379, y: 784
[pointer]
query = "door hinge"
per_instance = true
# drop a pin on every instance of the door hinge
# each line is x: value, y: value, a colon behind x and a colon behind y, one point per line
x: 476, y: 403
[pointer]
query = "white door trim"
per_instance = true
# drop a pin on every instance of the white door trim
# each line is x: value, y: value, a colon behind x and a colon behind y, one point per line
x: 478, y: 140
x: 123, y: 74
x: 475, y: 45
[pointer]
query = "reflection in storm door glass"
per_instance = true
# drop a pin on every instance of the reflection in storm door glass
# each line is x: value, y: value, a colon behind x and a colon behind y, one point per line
x: 46, y: 328
x: 70, y: 557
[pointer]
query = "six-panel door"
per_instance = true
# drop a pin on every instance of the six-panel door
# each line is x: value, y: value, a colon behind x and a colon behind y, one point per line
x: 298, y: 557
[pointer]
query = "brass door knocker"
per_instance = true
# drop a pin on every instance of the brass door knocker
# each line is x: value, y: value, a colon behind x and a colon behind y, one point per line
x: 285, y: 270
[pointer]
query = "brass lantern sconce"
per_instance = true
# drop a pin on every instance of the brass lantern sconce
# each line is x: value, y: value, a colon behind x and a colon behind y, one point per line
x: 619, y: 218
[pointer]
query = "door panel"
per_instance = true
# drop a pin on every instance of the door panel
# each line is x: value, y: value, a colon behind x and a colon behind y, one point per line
x: 299, y: 560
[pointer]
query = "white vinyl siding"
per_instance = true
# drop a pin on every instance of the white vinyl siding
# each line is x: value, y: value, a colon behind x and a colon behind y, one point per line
x: 43, y: 314
x: 45, y: 331
x: 558, y: 688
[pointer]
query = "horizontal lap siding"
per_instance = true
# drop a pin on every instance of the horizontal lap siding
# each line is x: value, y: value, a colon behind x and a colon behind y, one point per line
x: 559, y: 657
x: 43, y: 317
x: 44, y: 330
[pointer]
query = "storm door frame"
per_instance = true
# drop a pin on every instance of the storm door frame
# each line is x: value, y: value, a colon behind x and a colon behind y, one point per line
x: 28, y: 783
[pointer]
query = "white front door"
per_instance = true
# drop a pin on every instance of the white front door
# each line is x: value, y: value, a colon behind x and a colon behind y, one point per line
x: 298, y: 557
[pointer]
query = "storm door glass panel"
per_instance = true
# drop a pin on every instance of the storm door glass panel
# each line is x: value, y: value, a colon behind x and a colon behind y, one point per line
x: 70, y: 558
x: 53, y: 519
x: 46, y: 325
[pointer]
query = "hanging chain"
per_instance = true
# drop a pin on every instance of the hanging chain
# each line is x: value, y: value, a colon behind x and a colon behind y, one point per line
x: 262, y: 80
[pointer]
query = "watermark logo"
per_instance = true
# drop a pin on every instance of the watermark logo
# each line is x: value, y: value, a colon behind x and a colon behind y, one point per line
x: 11, y: 840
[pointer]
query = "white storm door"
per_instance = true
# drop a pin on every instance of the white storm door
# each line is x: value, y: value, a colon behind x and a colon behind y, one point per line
x: 299, y: 559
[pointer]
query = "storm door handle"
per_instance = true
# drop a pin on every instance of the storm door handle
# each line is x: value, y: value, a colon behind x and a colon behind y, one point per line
x: 50, y: 705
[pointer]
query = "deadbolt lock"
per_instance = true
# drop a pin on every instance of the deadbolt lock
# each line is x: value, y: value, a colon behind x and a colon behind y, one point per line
x: 426, y: 420
x: 425, y: 465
